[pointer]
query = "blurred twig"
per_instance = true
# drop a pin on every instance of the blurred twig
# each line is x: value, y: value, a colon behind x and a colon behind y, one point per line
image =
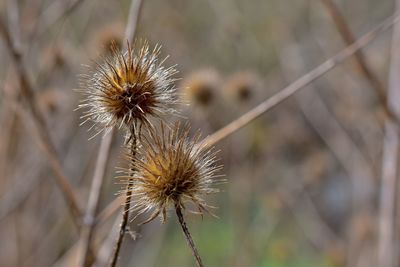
x: 109, y: 210
x: 26, y: 90
x: 57, y: 10
x: 94, y: 197
x: 133, y: 18
x: 386, y: 255
x: 327, y: 126
x: 300, y: 83
x: 348, y: 38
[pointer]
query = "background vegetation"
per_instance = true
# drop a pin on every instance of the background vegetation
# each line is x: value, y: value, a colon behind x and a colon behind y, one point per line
x: 304, y: 180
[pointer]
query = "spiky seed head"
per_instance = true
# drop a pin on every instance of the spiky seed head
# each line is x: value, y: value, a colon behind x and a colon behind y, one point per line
x: 200, y: 87
x: 242, y: 86
x: 128, y: 88
x: 171, y: 169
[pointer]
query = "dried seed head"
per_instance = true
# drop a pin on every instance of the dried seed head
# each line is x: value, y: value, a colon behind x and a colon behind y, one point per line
x: 170, y: 170
x: 242, y: 86
x: 201, y: 87
x: 128, y: 88
x: 109, y: 37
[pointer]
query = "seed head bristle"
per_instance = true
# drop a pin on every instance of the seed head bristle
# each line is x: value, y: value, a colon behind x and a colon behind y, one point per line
x: 128, y: 88
x: 171, y: 170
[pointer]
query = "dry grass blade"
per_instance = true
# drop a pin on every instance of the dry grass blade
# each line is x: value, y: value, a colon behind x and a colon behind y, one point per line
x: 300, y: 83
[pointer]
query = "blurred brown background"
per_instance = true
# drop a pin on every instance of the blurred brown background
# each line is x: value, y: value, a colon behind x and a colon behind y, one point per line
x: 304, y: 180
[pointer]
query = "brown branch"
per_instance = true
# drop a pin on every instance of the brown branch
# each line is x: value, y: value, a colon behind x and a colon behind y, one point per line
x: 300, y: 83
x: 348, y: 37
x: 189, y: 238
x: 44, y: 139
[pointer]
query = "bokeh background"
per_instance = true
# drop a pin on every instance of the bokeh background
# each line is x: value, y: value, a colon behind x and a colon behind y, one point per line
x: 303, y: 180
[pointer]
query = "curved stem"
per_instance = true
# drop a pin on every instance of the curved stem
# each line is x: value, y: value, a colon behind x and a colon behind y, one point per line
x: 189, y: 239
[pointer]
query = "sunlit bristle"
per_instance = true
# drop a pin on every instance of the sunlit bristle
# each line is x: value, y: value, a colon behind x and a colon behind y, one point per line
x: 128, y: 88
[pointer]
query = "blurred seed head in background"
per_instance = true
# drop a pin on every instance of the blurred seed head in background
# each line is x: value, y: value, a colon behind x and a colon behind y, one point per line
x: 200, y: 88
x: 242, y: 86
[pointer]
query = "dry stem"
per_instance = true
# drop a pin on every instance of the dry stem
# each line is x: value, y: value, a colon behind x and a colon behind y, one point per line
x: 94, y: 197
x: 127, y: 206
x: 386, y: 234
x: 26, y: 90
x: 189, y: 238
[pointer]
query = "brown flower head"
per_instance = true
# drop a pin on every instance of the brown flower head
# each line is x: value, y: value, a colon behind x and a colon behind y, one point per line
x: 171, y: 170
x: 200, y: 87
x: 128, y: 88
x: 242, y: 86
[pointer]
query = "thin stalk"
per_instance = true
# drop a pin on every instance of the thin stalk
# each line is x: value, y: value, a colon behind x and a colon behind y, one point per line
x: 127, y: 205
x: 87, y: 230
x: 189, y: 238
